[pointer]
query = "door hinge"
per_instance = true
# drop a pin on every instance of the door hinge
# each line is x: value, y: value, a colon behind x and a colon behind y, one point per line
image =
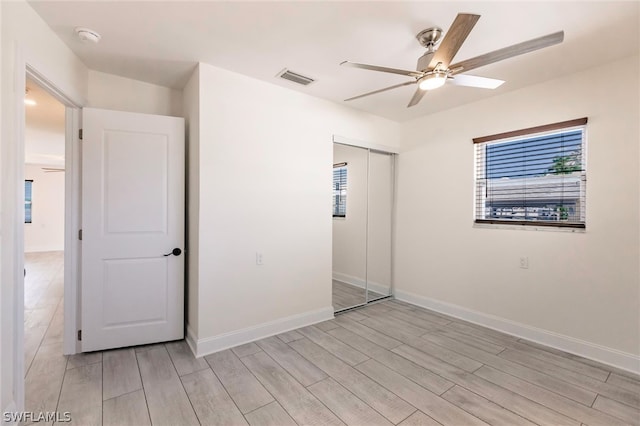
x: 80, y: 335
x: 80, y: 234
x: 80, y: 134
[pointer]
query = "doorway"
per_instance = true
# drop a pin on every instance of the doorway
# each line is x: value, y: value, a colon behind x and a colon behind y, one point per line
x: 44, y: 241
x: 363, y: 191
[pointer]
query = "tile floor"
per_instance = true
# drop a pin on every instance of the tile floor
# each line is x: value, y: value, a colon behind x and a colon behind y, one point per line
x: 388, y: 363
x: 346, y: 296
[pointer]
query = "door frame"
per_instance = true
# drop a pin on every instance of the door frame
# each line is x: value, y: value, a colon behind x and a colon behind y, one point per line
x: 22, y: 68
x: 72, y: 210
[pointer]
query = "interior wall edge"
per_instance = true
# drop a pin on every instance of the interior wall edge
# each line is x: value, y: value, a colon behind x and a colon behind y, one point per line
x: 191, y: 338
x: 209, y: 345
x: 595, y: 352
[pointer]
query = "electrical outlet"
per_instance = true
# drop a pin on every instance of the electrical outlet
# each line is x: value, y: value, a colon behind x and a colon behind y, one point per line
x: 524, y: 262
x: 258, y: 258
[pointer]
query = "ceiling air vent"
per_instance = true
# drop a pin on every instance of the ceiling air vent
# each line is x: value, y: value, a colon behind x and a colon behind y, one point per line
x: 295, y: 77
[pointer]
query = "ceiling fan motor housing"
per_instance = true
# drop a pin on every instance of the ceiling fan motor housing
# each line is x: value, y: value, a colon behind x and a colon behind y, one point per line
x: 424, y: 61
x: 430, y: 37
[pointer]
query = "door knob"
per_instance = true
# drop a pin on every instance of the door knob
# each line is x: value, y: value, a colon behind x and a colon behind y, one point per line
x: 176, y: 252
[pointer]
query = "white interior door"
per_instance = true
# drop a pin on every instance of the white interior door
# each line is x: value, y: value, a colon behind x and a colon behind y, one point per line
x: 132, y: 217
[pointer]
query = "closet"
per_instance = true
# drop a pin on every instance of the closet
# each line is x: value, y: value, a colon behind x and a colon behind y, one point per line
x: 363, y: 183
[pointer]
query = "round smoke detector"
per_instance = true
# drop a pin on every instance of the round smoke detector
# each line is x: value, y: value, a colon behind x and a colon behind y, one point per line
x: 86, y: 34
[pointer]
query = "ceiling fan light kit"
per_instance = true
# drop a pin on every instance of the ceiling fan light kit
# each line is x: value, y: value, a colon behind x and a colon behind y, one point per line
x: 434, y: 67
x: 433, y: 81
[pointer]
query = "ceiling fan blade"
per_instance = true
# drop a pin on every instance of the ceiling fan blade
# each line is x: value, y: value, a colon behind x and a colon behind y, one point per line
x: 453, y: 39
x: 381, y: 90
x: 407, y: 73
x: 475, y: 81
x: 508, y: 52
x: 417, y: 97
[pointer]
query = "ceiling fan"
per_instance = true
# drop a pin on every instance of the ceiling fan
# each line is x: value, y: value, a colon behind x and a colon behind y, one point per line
x: 435, y: 69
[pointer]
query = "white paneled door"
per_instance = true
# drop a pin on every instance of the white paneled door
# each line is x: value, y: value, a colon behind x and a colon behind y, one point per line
x: 132, y: 229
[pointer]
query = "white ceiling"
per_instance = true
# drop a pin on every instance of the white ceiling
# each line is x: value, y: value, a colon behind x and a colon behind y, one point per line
x: 160, y: 42
x: 44, y: 128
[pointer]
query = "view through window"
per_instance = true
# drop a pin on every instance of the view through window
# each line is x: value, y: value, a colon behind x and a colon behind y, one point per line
x: 340, y: 190
x: 28, y: 190
x: 534, y: 176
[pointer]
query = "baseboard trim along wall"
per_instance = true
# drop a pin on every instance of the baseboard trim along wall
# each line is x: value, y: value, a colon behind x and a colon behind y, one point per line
x: 209, y: 345
x: 612, y: 357
x: 43, y: 249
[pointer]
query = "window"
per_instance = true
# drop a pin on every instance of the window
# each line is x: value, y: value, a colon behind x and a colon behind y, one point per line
x: 534, y: 176
x: 340, y: 190
x: 28, y: 186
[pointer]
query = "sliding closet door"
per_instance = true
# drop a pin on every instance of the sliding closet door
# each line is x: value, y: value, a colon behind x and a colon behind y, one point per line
x: 350, y: 172
x: 380, y: 198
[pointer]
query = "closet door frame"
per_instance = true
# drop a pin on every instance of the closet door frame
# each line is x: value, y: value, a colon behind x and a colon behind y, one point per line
x: 382, y: 149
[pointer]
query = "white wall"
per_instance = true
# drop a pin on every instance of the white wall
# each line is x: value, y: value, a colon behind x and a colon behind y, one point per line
x: 26, y: 36
x: 265, y: 156
x: 582, y: 285
x: 110, y: 91
x: 46, y: 231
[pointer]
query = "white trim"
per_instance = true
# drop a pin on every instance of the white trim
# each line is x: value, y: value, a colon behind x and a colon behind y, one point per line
x: 50, y: 87
x: 209, y: 345
x: 364, y: 144
x: 16, y: 157
x: 19, y: 82
x: 72, y: 223
x: 72, y: 215
x: 603, y: 354
x: 529, y: 227
x: 360, y: 283
x: 43, y: 249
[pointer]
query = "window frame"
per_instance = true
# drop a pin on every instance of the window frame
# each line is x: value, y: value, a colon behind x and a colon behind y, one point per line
x: 523, y: 134
x: 341, y: 188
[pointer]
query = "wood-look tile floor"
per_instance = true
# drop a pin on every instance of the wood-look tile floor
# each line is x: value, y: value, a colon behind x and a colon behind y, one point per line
x: 388, y: 363
x: 346, y: 295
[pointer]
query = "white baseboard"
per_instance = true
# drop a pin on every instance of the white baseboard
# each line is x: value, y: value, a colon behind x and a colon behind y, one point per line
x: 42, y: 249
x: 603, y: 354
x: 209, y: 345
x: 360, y: 283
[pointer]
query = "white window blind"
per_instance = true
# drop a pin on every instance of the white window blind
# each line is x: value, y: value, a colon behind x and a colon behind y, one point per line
x: 340, y: 190
x: 533, y: 176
